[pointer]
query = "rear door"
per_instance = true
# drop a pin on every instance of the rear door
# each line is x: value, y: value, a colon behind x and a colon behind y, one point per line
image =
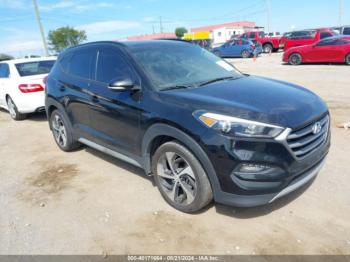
x: 114, y: 114
x: 4, y: 82
x: 73, y: 87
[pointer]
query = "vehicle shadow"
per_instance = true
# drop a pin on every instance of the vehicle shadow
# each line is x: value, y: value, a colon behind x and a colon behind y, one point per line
x: 246, y: 213
x: 119, y: 163
x: 315, y: 64
x: 37, y: 117
x: 234, y: 212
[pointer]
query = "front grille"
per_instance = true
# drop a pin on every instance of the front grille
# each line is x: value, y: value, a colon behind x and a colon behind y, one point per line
x: 304, y: 141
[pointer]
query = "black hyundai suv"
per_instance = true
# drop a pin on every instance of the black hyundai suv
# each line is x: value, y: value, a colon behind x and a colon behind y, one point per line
x: 200, y: 127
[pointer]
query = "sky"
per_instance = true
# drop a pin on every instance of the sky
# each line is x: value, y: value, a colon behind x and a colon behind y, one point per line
x: 117, y: 19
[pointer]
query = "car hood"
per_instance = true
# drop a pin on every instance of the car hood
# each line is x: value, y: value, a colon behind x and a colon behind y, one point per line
x: 254, y: 98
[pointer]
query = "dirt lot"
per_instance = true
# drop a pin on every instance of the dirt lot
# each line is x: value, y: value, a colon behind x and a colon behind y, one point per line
x: 85, y: 202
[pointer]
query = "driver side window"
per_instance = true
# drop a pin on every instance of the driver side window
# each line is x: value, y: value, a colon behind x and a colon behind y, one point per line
x: 111, y: 65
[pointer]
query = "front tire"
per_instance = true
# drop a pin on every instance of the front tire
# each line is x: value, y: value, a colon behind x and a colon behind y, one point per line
x: 181, y: 178
x: 295, y: 59
x: 347, y: 59
x: 12, y: 108
x: 62, y: 132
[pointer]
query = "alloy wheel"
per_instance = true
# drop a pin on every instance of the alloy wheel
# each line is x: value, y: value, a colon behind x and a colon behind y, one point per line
x: 177, y: 178
x: 295, y: 59
x: 59, y: 131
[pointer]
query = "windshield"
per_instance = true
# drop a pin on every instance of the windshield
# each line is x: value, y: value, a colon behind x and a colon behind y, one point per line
x: 180, y: 64
x: 35, y: 68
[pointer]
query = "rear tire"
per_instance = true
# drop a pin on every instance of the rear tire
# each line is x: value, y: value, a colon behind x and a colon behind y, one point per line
x: 347, y: 59
x: 12, y: 108
x: 295, y: 59
x: 62, y: 132
x: 245, y: 54
x: 267, y: 48
x: 181, y: 178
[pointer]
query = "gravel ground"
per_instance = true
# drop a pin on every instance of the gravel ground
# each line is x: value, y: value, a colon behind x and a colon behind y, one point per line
x: 85, y: 202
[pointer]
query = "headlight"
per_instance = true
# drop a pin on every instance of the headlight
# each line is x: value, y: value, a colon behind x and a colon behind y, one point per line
x: 237, y: 126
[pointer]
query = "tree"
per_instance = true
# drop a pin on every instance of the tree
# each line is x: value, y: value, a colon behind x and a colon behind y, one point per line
x: 4, y: 57
x: 180, y: 31
x: 64, y: 37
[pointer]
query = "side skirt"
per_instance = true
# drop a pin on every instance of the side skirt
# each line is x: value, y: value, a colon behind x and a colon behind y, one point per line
x: 109, y: 152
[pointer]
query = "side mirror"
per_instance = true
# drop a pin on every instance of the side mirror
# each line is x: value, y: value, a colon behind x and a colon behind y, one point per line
x: 121, y: 84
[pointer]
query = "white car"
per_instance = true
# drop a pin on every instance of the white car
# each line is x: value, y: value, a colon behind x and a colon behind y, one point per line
x: 22, y: 85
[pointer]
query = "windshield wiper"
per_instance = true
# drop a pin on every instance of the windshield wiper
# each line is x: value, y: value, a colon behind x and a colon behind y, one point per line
x: 216, y: 80
x: 176, y: 87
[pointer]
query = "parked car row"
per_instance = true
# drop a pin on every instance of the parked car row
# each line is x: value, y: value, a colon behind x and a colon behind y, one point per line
x: 334, y: 49
x: 204, y: 130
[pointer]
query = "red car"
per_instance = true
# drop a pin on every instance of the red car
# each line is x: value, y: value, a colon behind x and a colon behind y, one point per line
x: 335, y: 49
x: 306, y: 37
x: 268, y: 43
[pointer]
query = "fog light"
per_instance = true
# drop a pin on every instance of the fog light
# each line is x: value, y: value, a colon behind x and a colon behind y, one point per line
x: 260, y: 172
x: 253, y: 168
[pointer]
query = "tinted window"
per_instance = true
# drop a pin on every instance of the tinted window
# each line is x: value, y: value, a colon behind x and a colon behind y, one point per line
x: 325, y: 35
x: 346, y: 31
x: 302, y: 35
x: 81, y: 64
x: 35, y: 68
x: 327, y: 42
x: 110, y: 65
x: 4, y: 71
x: 64, y: 62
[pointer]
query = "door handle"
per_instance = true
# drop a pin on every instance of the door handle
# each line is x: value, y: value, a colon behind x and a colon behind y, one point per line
x: 94, y: 98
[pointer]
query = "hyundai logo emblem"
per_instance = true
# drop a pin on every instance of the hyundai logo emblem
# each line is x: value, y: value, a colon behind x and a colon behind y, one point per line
x: 316, y: 128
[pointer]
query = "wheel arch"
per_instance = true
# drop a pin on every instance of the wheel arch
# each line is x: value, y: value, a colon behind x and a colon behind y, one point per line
x: 295, y: 53
x: 160, y: 133
x: 51, y: 105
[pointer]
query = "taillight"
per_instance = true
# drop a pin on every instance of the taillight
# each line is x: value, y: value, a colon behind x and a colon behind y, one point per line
x: 30, y: 88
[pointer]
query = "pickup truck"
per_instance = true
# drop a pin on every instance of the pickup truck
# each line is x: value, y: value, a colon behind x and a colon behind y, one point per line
x: 269, y: 44
x: 306, y: 37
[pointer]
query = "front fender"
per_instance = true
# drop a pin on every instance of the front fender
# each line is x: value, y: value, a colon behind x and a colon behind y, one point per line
x: 157, y: 130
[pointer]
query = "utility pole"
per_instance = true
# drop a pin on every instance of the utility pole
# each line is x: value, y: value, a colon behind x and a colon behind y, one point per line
x: 153, y: 29
x: 160, y: 24
x: 40, y: 27
x: 268, y: 11
x: 340, y: 12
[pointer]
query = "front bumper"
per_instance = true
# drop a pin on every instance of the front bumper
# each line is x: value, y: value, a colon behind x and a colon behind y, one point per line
x: 258, y: 200
x: 288, y: 173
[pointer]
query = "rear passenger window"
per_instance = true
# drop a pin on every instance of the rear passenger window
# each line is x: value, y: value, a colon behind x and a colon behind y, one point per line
x: 110, y: 65
x: 81, y: 64
x: 346, y: 31
x: 4, y: 71
x: 325, y: 35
